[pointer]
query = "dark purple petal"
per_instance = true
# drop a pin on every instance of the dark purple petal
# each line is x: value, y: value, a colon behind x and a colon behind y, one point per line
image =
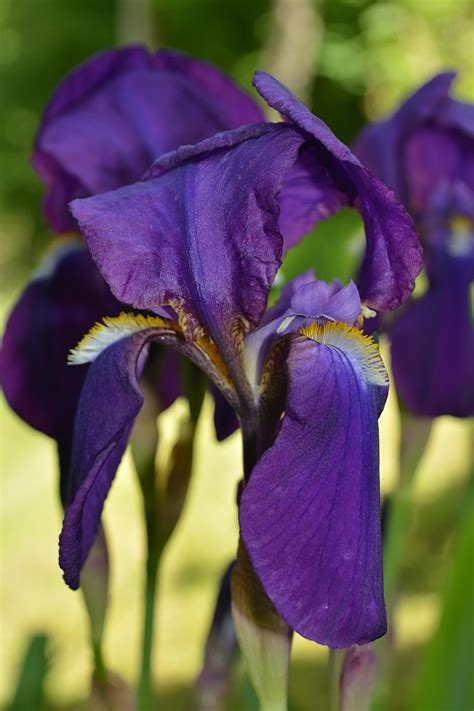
x: 163, y: 375
x: 302, y: 300
x: 286, y: 294
x: 201, y: 234
x: 426, y: 143
x: 225, y: 419
x: 110, y: 401
x: 281, y: 99
x: 432, y: 347
x: 309, y: 195
x: 393, y: 255
x: 60, y: 304
x: 459, y: 115
x: 433, y: 159
x: 380, y: 145
x: 310, y: 514
x: 113, y: 115
x: 334, y: 301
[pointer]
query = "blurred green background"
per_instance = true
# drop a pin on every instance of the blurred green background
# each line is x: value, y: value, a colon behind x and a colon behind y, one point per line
x: 350, y: 59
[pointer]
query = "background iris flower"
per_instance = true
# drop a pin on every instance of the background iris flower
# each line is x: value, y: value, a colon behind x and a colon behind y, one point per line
x: 425, y: 152
x: 93, y: 137
x: 199, y: 242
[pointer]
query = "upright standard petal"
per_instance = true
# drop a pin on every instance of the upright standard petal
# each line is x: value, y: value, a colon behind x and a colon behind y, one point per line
x: 393, y: 255
x: 310, y: 515
x: 113, y: 115
x: 200, y: 235
x: 435, y: 158
x: 425, y: 143
x: 303, y: 300
x: 380, y: 143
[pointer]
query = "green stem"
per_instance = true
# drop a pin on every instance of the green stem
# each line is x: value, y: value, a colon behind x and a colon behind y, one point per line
x: 415, y: 433
x: 100, y: 671
x: 145, y: 684
x: 414, y: 437
x: 336, y: 660
x: 399, y: 523
x: 274, y: 706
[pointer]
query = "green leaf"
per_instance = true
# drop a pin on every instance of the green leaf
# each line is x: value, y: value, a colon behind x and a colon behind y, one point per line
x: 29, y: 690
x: 446, y: 679
x: 333, y: 249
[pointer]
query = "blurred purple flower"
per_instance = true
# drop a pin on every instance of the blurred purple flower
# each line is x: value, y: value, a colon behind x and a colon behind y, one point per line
x: 425, y: 152
x: 209, y: 224
x: 116, y: 113
x: 105, y: 124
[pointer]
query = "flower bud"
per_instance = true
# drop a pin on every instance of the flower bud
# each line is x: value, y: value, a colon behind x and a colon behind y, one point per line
x: 264, y: 638
x: 358, y: 678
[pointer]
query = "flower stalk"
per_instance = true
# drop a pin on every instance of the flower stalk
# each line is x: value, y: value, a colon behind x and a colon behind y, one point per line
x: 94, y: 586
x: 164, y: 492
x: 264, y: 638
x: 415, y: 433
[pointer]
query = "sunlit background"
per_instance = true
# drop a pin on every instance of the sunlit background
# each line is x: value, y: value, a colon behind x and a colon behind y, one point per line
x: 350, y: 60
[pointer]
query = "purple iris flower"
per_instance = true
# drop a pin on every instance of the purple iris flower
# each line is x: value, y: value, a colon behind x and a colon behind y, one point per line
x: 105, y: 124
x: 199, y: 242
x: 116, y: 113
x: 425, y: 151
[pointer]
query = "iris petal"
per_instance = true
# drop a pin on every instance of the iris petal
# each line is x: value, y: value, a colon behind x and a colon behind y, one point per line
x: 113, y: 115
x: 309, y: 515
x: 61, y: 302
x: 110, y: 400
x: 432, y: 349
x: 393, y: 255
x: 378, y: 146
x: 428, y: 139
x: 205, y: 233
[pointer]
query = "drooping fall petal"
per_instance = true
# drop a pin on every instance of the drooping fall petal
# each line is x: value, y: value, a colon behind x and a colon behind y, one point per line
x: 310, y: 513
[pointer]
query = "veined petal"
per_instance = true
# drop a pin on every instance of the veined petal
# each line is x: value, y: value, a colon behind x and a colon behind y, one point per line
x: 200, y: 235
x: 111, y: 330
x: 333, y: 301
x: 113, y: 115
x: 310, y: 513
x: 110, y: 400
x: 302, y: 301
x: 393, y: 255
